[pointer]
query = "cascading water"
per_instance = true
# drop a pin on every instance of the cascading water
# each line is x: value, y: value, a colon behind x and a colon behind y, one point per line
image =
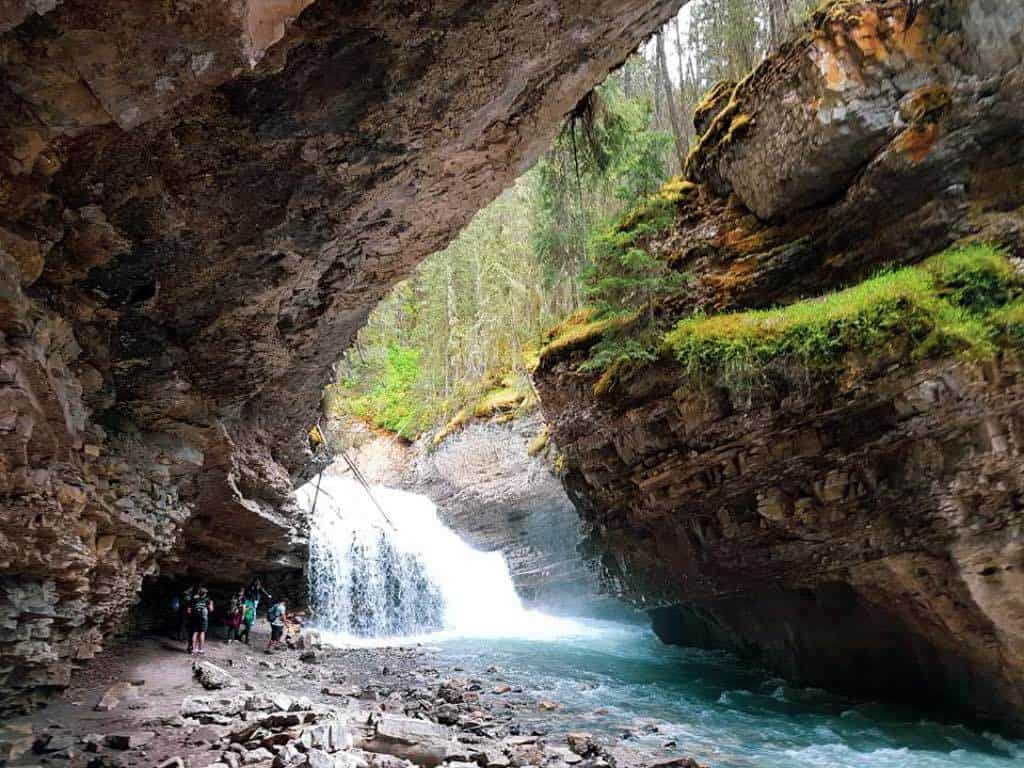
x: 368, y: 579
x: 370, y: 584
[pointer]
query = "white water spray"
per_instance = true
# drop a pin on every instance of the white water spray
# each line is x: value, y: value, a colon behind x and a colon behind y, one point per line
x: 371, y: 582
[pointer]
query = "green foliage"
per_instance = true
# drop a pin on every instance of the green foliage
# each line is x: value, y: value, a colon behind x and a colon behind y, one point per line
x: 475, y: 312
x: 1010, y: 321
x: 392, y: 403
x: 605, y: 157
x: 626, y: 280
x: 943, y: 306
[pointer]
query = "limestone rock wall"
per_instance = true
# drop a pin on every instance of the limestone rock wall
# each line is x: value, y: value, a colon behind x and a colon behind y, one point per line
x: 864, y: 532
x: 199, y: 204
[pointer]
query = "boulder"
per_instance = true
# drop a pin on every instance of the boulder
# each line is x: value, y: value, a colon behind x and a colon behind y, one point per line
x: 112, y: 697
x: 582, y: 744
x: 564, y: 755
x: 259, y: 755
x: 422, y: 742
x: 447, y: 714
x: 128, y: 739
x: 210, y: 676
x: 15, y: 740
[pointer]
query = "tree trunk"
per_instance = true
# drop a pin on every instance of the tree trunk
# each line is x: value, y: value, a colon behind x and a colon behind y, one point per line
x: 778, y: 22
x: 673, y: 110
x: 682, y: 81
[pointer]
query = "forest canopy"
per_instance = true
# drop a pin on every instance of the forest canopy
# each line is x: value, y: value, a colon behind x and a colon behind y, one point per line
x: 465, y: 329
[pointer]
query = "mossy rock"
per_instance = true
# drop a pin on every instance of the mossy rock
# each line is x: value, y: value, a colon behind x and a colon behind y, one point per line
x: 497, y: 401
x: 583, y: 336
x: 539, y: 443
x: 962, y: 302
x: 711, y: 103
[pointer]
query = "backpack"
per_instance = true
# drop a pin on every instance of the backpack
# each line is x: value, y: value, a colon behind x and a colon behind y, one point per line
x: 249, y: 611
x: 200, y: 607
x: 274, y: 613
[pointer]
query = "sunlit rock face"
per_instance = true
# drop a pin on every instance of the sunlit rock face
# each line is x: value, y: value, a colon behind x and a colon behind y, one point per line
x: 199, y: 204
x: 864, y: 532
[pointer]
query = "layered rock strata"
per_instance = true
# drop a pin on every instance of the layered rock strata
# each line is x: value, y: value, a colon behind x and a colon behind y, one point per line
x: 862, y: 530
x: 199, y: 203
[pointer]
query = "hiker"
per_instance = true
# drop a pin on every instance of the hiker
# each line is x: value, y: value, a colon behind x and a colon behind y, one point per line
x: 199, y: 620
x: 235, y: 616
x: 248, y: 618
x: 255, y: 590
x: 276, y: 615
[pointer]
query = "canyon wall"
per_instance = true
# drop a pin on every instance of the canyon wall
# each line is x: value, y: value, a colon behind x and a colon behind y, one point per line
x: 860, y: 528
x: 199, y: 204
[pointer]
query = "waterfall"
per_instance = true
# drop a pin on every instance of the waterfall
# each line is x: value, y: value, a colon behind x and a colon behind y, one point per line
x: 369, y: 580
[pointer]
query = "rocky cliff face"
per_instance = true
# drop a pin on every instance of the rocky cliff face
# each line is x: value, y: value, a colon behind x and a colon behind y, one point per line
x: 498, y: 497
x: 199, y: 203
x: 863, y: 528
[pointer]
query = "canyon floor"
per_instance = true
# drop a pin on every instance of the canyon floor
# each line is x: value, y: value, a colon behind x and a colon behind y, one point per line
x: 146, y: 702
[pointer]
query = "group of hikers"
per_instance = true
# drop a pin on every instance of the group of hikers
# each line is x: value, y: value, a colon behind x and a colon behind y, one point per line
x: 195, y: 606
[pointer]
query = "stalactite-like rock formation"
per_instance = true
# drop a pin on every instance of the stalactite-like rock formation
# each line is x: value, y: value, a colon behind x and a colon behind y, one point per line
x: 199, y: 203
x: 862, y: 529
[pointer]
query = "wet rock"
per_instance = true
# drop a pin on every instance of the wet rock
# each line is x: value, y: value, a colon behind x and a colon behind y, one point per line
x: 172, y: 762
x: 451, y: 691
x: 309, y: 657
x: 447, y: 714
x: 676, y: 762
x: 582, y: 744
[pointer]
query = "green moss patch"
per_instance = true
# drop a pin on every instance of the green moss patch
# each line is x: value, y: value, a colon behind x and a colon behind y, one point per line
x: 583, y: 336
x: 949, y: 305
x: 497, y: 401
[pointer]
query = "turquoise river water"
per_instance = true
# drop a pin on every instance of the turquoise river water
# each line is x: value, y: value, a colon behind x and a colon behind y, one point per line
x: 617, y: 678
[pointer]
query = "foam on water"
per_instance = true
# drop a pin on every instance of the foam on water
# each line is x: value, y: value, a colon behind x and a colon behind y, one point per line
x: 420, y: 582
x: 406, y: 577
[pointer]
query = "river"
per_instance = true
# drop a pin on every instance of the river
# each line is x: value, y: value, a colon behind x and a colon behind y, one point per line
x: 403, y: 577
